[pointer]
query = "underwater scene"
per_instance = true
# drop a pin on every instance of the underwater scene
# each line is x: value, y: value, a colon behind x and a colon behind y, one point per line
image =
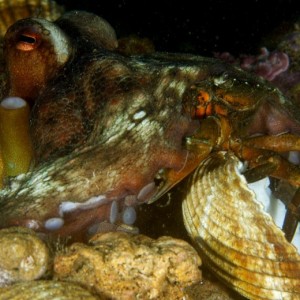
x: 149, y: 150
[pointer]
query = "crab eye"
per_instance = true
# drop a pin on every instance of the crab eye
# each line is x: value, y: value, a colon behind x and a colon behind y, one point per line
x: 28, y: 41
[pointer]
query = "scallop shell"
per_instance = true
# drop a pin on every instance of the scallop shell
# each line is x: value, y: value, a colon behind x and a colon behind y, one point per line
x: 237, y: 239
x: 14, y: 10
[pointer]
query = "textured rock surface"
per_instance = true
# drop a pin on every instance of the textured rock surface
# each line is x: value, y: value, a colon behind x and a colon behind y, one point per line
x: 125, y: 266
x: 210, y: 289
x: 23, y: 256
x: 116, y: 265
x: 41, y: 290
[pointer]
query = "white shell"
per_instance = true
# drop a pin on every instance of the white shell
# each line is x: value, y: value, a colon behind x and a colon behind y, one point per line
x: 237, y: 239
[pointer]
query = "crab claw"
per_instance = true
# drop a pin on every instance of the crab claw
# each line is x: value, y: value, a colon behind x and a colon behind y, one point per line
x: 167, y: 178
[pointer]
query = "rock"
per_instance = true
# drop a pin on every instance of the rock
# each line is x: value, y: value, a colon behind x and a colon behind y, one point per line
x: 23, y: 256
x: 43, y: 289
x: 124, y: 266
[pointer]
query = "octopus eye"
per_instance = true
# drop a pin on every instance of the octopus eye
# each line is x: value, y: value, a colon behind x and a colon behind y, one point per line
x: 28, y: 41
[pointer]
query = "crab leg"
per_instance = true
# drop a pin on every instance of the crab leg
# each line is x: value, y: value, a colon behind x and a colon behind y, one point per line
x: 278, y: 143
x: 292, y: 217
x: 267, y: 163
x: 282, y: 169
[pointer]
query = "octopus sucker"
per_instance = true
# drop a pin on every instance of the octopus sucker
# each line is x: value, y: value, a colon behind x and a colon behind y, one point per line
x: 248, y: 251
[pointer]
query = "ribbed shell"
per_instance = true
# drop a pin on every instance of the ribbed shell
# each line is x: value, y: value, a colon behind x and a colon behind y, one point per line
x: 13, y: 10
x: 238, y: 240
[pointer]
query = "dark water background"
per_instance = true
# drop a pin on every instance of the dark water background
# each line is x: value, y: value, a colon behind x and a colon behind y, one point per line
x: 234, y: 26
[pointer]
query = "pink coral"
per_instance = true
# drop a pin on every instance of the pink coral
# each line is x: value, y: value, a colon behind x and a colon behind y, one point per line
x: 267, y: 64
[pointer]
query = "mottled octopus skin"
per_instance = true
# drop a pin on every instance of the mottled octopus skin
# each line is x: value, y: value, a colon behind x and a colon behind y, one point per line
x: 105, y: 124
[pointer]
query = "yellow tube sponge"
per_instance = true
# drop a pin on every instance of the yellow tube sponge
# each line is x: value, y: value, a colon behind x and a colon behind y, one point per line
x: 15, y: 142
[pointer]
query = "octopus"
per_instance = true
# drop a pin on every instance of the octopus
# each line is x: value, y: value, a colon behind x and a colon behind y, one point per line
x: 112, y: 131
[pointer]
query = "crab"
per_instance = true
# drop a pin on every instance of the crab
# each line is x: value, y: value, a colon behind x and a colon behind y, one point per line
x: 113, y: 131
